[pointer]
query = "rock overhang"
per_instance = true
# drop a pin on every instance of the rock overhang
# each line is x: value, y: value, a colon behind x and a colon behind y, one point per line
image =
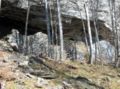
x: 37, y: 20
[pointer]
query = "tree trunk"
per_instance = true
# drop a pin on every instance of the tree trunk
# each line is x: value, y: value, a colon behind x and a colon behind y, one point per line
x: 84, y: 29
x: 48, y: 25
x: 60, y: 30
x: 0, y: 4
x: 90, y: 34
x: 97, y: 41
x: 26, y: 29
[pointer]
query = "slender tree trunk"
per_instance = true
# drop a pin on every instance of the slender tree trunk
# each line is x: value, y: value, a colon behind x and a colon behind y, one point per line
x: 26, y: 29
x: 97, y: 41
x: 114, y: 29
x: 52, y: 24
x: 118, y: 48
x: 48, y: 25
x: 90, y: 34
x: 60, y: 30
x: 94, y: 7
x: 84, y: 29
x: 117, y: 41
x: 0, y: 4
x: 56, y: 38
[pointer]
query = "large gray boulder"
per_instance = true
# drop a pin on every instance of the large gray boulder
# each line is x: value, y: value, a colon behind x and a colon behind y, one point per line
x: 37, y: 44
x: 105, y: 52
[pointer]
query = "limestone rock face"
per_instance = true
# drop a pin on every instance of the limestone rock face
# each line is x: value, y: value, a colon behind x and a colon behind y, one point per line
x: 103, y: 9
x: 70, y: 7
x: 72, y: 14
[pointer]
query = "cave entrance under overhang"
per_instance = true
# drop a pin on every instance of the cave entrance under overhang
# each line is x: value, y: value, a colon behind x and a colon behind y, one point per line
x: 13, y: 17
x: 71, y: 30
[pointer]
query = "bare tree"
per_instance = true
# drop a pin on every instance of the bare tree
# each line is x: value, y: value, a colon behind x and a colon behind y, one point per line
x: 117, y: 40
x: 60, y: 30
x: 94, y: 8
x: 90, y: 34
x: 48, y: 25
x: 115, y: 24
x: 26, y: 29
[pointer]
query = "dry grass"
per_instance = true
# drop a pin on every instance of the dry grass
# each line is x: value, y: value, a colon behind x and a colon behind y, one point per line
x: 105, y: 76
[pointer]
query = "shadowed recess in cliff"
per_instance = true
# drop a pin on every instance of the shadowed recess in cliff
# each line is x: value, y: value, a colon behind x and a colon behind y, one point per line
x: 6, y: 25
x: 13, y: 17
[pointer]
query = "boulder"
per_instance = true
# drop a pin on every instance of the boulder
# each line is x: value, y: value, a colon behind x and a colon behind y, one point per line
x: 105, y: 52
x: 37, y: 44
x: 41, y: 82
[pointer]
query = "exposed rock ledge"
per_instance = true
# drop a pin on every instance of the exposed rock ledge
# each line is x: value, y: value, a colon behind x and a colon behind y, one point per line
x: 13, y: 15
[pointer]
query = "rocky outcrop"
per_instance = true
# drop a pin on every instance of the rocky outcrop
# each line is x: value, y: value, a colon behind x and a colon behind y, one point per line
x: 69, y: 7
x: 37, y: 44
x: 13, y: 16
x: 15, y: 12
x: 39, y: 72
x: 103, y: 8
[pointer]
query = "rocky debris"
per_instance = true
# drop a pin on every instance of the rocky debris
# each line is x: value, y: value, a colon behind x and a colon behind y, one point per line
x: 41, y: 83
x: 9, y: 65
x: 39, y: 68
x: 82, y: 83
x: 6, y: 67
x: 4, y: 46
x: 6, y: 73
x: 4, y: 56
x: 47, y: 84
x: 67, y: 85
x: 118, y: 75
x: 23, y: 64
x: 30, y: 76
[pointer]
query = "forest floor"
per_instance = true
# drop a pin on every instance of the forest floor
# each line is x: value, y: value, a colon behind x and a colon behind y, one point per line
x: 106, y: 76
